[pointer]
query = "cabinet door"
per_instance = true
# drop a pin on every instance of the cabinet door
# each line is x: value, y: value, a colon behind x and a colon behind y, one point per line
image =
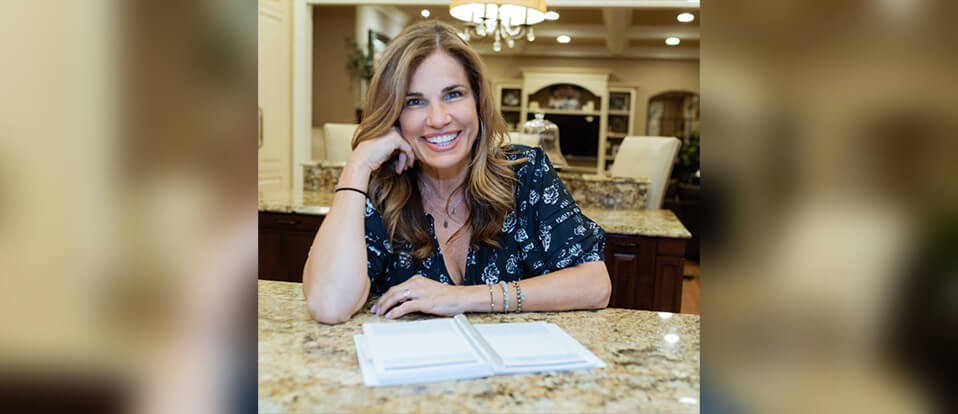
x: 284, y: 242
x: 669, y: 268
x: 629, y: 261
x: 275, y: 94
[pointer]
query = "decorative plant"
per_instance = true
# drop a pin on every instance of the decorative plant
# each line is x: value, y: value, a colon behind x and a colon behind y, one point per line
x: 688, y: 160
x: 359, y: 62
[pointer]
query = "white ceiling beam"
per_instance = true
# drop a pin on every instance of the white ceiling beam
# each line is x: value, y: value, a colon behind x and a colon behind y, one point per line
x: 594, y: 31
x: 663, y: 52
x: 580, y: 31
x: 616, y: 23
x: 660, y: 32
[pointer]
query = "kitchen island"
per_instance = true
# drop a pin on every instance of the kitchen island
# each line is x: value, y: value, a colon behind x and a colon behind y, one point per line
x: 652, y: 365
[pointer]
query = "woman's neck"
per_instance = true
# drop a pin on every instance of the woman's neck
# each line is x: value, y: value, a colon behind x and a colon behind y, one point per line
x: 442, y: 183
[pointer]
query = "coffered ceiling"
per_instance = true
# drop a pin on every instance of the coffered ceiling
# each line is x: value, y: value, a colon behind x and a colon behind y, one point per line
x: 625, y: 29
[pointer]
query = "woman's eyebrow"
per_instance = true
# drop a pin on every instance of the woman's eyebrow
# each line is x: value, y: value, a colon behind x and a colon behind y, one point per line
x: 444, y: 90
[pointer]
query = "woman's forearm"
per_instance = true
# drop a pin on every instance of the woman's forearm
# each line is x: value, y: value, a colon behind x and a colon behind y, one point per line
x: 335, y: 279
x: 586, y: 286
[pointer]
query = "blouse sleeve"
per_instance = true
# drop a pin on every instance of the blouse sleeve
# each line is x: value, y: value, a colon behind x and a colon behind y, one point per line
x: 378, y: 251
x: 566, y: 236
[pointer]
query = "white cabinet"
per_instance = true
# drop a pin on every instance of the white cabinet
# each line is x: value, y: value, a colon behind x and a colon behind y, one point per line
x: 275, y: 153
x: 509, y: 101
x: 593, y: 114
x: 621, y: 119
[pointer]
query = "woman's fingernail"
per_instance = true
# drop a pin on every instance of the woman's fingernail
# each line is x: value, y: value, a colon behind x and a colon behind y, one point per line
x: 374, y: 309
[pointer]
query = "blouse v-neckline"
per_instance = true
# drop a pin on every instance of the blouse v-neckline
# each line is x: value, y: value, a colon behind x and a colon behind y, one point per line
x: 441, y: 257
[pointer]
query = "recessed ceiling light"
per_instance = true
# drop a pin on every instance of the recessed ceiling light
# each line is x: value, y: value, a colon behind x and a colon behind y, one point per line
x: 551, y: 15
x: 563, y: 39
x: 686, y: 17
x: 424, y: 13
x: 672, y: 41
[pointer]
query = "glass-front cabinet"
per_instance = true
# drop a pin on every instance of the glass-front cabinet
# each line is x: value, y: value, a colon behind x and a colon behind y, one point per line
x: 509, y: 101
x: 621, y: 121
x: 593, y: 115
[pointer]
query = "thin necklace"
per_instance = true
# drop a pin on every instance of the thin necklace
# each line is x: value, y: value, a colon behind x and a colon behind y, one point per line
x: 445, y: 220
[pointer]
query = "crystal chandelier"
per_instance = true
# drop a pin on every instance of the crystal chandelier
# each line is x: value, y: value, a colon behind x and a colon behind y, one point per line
x: 502, y: 20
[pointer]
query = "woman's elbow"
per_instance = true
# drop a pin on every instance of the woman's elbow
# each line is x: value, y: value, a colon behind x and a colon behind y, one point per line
x: 322, y: 312
x: 603, y: 287
x: 324, y: 309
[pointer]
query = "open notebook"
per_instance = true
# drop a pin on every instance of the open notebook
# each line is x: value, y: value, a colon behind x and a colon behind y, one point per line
x: 452, y: 348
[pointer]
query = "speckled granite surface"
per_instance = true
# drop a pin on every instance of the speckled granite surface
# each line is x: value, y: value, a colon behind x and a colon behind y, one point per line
x: 321, y: 176
x: 307, y: 202
x: 652, y: 358
x: 651, y: 223
x: 599, y: 191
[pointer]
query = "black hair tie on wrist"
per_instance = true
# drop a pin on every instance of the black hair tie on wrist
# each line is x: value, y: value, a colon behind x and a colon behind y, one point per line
x: 352, y: 189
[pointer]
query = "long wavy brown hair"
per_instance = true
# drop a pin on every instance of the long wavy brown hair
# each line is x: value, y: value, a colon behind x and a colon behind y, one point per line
x: 490, y: 186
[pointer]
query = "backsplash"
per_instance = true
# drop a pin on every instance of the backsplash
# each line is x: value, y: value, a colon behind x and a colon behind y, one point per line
x: 589, y: 191
x: 612, y: 193
x: 321, y: 176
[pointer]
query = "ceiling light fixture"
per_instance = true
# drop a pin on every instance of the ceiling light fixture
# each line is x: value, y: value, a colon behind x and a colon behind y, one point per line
x: 502, y: 20
x: 686, y: 17
x: 424, y: 13
x: 551, y: 15
x: 563, y: 39
x: 672, y: 41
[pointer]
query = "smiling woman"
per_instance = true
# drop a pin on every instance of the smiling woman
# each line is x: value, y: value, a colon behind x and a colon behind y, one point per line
x: 431, y: 148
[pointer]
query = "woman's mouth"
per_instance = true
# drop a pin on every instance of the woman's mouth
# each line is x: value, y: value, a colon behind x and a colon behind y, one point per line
x: 443, y: 142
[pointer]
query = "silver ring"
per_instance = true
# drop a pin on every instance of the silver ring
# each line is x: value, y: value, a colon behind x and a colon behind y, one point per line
x: 405, y: 294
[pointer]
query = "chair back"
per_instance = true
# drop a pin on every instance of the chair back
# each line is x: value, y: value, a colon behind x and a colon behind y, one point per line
x: 339, y: 140
x: 647, y: 157
x: 531, y: 140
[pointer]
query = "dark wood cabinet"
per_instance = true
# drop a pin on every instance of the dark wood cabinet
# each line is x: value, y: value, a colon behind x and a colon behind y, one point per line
x: 646, y: 272
x: 284, y: 241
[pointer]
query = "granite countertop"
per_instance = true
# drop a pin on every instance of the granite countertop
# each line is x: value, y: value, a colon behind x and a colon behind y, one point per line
x: 651, y: 223
x: 652, y: 358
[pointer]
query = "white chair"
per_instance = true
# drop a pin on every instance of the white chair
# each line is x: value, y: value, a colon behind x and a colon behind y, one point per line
x: 531, y: 140
x: 339, y: 140
x: 647, y: 157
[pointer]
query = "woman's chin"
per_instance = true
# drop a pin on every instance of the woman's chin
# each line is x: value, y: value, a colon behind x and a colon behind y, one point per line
x: 444, y: 161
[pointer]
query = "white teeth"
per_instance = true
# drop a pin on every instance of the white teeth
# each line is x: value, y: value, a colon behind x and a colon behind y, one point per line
x: 442, y: 139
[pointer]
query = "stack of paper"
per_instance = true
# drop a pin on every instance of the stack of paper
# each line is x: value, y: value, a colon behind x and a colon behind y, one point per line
x: 452, y: 348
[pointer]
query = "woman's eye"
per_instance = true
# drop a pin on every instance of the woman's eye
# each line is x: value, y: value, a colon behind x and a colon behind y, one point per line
x: 454, y: 94
x: 413, y: 102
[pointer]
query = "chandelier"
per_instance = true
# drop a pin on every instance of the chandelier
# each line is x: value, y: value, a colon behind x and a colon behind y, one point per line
x: 501, y: 20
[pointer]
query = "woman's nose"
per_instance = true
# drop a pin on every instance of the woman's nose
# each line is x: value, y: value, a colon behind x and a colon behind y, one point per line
x: 438, y: 116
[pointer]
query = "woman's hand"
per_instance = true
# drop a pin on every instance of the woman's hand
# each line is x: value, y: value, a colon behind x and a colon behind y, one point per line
x: 424, y: 295
x: 372, y: 153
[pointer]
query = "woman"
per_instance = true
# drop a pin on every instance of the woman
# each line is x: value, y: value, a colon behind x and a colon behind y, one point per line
x: 433, y: 213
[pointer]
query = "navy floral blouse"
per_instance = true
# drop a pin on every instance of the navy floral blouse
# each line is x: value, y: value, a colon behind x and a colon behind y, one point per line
x: 545, y: 234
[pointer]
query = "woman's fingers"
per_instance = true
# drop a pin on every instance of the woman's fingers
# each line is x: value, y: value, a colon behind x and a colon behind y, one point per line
x: 401, y: 163
x: 407, y: 307
x: 397, y: 294
x: 393, y: 296
x: 387, y: 301
x: 406, y: 150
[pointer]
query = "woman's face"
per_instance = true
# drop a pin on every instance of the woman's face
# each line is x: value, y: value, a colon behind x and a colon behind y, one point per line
x: 439, y: 117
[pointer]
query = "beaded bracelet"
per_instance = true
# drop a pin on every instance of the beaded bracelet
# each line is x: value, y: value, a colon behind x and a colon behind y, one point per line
x: 505, y: 297
x: 519, y: 297
x: 491, y: 307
